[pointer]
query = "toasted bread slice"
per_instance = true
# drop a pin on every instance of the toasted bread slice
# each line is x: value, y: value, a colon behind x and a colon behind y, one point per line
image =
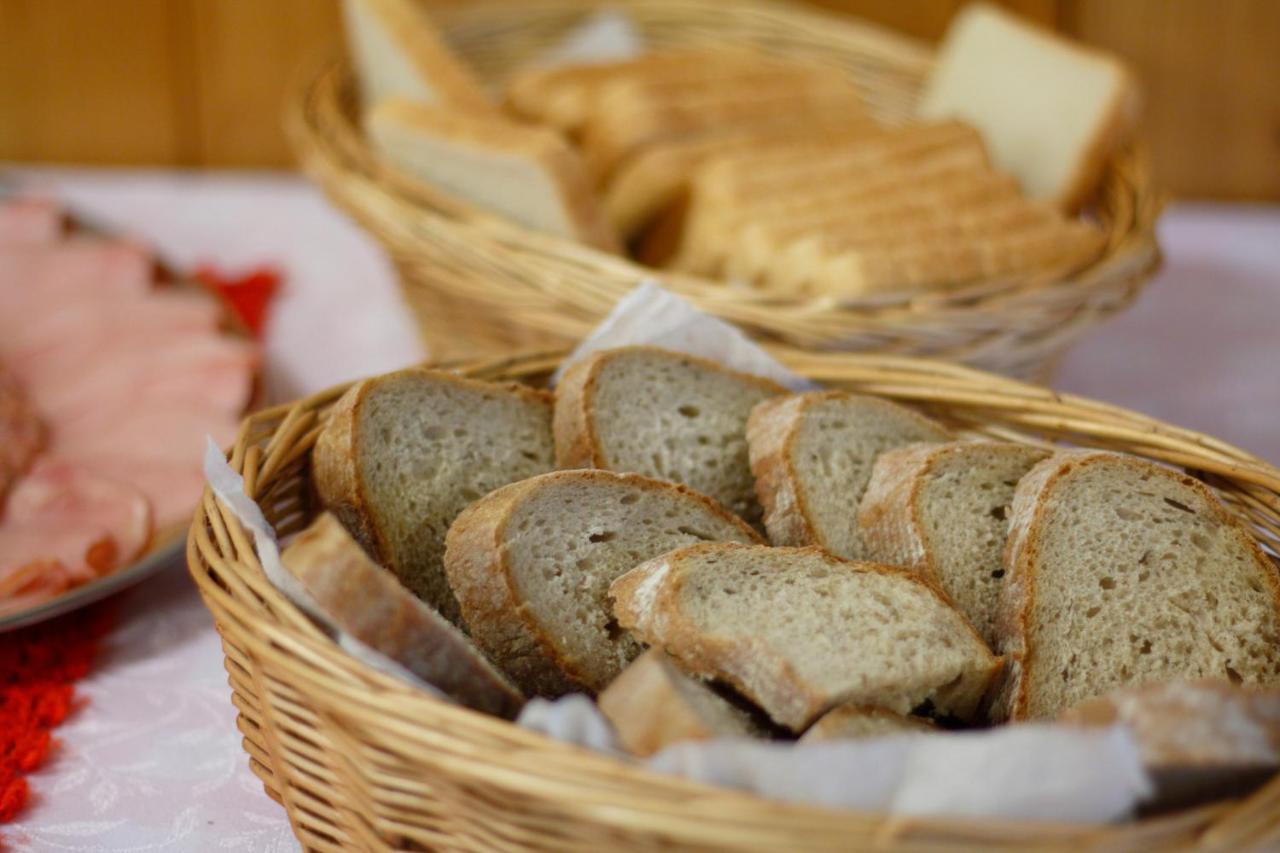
x: 942, y: 510
x: 857, y: 722
x: 1121, y: 572
x: 527, y: 174
x: 1051, y: 110
x: 399, y: 53
x: 798, y: 631
x: 366, y: 601
x: 532, y: 562
x: 402, y: 454
x: 812, y: 456
x: 652, y: 705
x: 663, y: 414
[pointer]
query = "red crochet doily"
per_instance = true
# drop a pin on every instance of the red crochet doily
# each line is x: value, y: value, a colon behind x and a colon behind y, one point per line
x: 38, y: 666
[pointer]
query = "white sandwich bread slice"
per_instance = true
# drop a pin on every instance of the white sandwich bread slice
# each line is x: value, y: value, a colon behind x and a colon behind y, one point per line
x: 367, y: 602
x: 398, y: 52
x: 525, y: 173
x: 812, y: 456
x: 531, y: 565
x: 1052, y: 112
x: 662, y: 414
x: 652, y: 705
x: 852, y: 721
x: 1200, y: 740
x: 943, y: 510
x: 798, y: 631
x: 1120, y: 572
x: 402, y: 454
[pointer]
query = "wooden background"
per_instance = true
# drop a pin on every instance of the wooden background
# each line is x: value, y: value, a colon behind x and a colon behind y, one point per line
x: 201, y: 82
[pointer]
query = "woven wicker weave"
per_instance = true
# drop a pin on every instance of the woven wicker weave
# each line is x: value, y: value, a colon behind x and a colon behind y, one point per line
x: 363, y: 762
x: 481, y: 285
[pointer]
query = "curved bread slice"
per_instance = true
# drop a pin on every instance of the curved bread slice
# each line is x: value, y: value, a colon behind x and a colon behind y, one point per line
x: 652, y: 705
x: 942, y: 510
x: 798, y: 631
x: 531, y: 566
x: 662, y: 414
x: 812, y: 456
x: 855, y: 722
x: 1200, y: 740
x: 1121, y: 571
x: 404, y: 453
x: 367, y: 602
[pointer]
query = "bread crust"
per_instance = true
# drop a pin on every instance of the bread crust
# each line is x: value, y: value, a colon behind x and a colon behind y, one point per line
x: 830, y: 726
x: 647, y: 602
x: 335, y: 459
x: 1014, y: 631
x: 367, y: 602
x: 889, y: 515
x: 478, y: 566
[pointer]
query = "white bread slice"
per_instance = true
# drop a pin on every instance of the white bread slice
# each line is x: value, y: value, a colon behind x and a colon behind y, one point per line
x: 1200, y: 740
x: 1120, y: 572
x: 563, y: 96
x: 851, y: 721
x: 812, y: 456
x: 525, y: 173
x: 658, y: 175
x: 1051, y: 111
x: 662, y: 414
x: 402, y: 454
x: 366, y: 601
x: 652, y: 705
x: 942, y: 510
x: 531, y: 565
x: 633, y: 113
x: 798, y: 631
x: 399, y: 53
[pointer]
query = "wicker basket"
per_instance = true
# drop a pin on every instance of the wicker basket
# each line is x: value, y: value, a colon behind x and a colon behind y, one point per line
x: 481, y: 285
x: 362, y: 761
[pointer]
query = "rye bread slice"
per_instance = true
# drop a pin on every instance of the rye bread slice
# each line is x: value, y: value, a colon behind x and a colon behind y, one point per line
x: 812, y: 456
x: 852, y: 721
x: 367, y: 602
x: 652, y: 705
x: 943, y: 510
x: 662, y: 414
x: 798, y: 631
x: 402, y: 454
x: 1121, y: 572
x: 532, y: 562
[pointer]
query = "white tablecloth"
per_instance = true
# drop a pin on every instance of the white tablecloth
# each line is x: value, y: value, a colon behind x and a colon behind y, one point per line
x: 152, y: 761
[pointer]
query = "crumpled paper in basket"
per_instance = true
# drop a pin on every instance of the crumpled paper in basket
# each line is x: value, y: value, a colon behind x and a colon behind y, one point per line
x: 1034, y: 772
x: 606, y: 35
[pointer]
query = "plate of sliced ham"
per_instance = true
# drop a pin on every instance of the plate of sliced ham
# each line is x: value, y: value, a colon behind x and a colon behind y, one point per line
x: 111, y: 377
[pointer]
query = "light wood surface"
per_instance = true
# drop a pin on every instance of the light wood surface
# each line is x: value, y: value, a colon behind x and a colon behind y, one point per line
x: 202, y: 82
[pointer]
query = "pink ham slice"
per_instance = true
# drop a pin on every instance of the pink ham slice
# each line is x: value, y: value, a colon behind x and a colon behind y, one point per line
x: 65, y: 525
x: 29, y: 221
x: 36, y: 280
x: 172, y: 486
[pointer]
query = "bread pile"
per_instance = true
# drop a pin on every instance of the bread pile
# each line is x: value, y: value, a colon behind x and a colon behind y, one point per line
x: 732, y: 163
x: 711, y: 555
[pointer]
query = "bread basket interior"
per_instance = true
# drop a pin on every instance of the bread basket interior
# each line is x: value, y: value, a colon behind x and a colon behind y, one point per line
x: 360, y: 760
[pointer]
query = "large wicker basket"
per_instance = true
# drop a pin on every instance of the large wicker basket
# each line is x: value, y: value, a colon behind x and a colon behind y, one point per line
x: 361, y: 761
x: 480, y: 285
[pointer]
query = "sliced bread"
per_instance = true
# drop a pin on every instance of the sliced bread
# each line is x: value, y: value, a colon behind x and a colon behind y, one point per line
x: 798, y: 631
x: 851, y: 721
x: 1119, y: 572
x: 943, y: 510
x: 652, y: 705
x: 366, y: 601
x: 1200, y: 740
x: 398, y: 52
x: 812, y: 456
x: 525, y: 173
x: 1052, y: 111
x: 532, y: 562
x: 402, y: 454
x: 663, y: 414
